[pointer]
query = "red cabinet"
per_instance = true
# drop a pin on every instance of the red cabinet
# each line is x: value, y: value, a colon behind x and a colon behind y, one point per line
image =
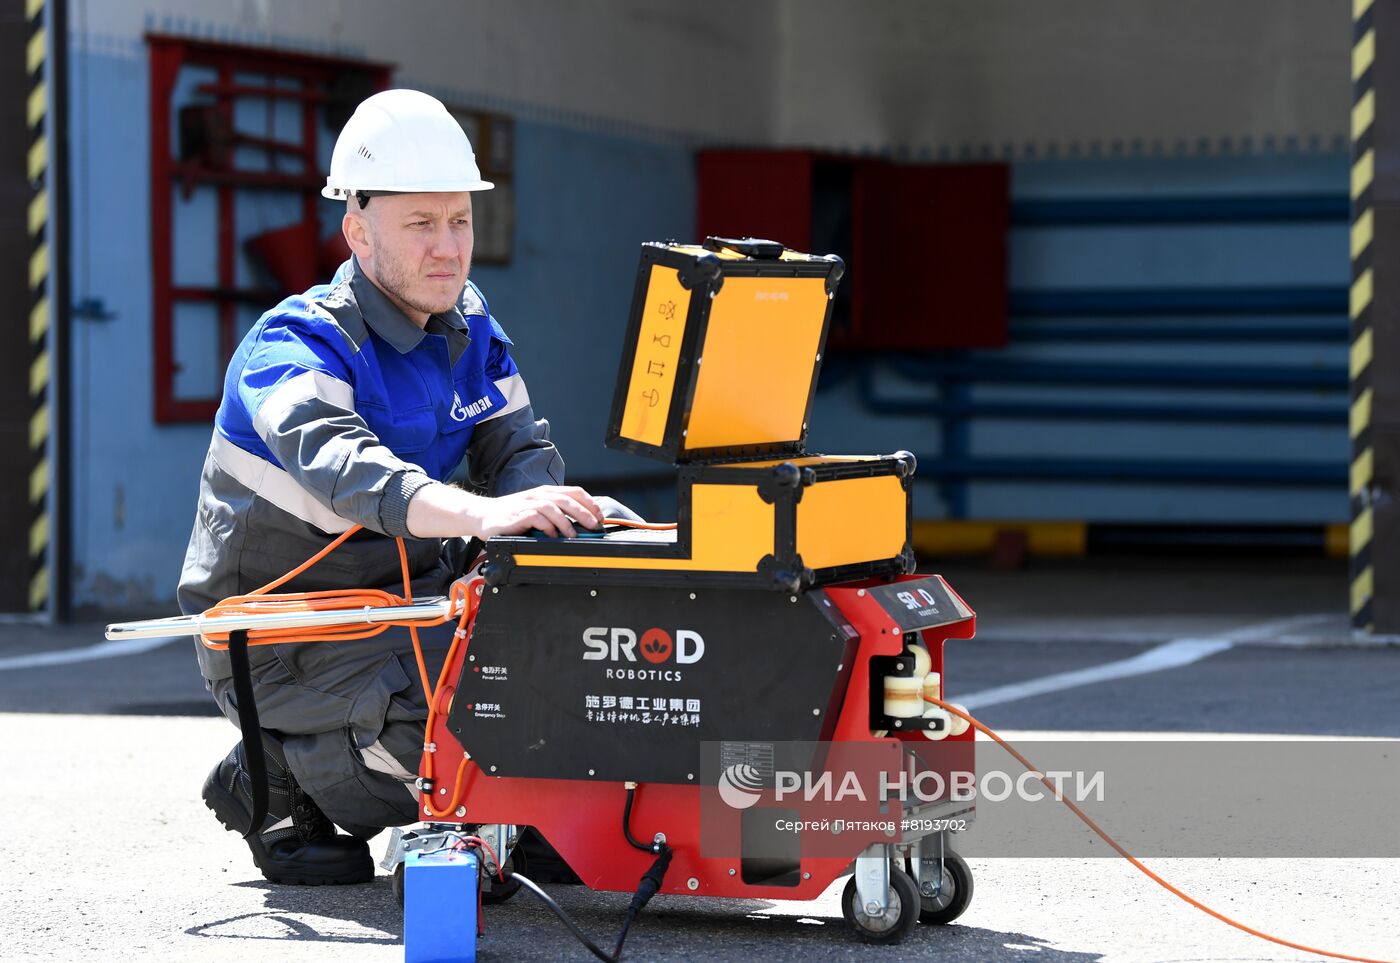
x: 925, y: 244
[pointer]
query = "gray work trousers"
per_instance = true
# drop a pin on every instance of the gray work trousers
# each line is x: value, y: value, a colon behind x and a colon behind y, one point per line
x: 350, y: 716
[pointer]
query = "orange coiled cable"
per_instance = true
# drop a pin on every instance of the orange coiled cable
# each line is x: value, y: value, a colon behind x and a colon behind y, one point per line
x: 1084, y: 817
x: 469, y: 594
x: 260, y: 601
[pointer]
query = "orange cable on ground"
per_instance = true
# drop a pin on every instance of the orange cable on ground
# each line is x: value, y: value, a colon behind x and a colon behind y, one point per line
x: 1133, y: 859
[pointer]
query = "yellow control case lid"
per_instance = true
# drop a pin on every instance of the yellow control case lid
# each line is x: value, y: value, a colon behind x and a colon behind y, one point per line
x: 723, y: 349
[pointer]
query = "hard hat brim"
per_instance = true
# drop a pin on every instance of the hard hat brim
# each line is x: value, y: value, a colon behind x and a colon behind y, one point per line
x: 341, y: 193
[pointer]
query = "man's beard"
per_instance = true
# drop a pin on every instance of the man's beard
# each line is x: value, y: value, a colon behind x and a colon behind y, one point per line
x: 396, y: 281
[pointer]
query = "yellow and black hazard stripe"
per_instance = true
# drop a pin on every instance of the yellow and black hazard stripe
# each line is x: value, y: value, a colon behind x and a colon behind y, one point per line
x: 1363, y: 169
x: 40, y: 366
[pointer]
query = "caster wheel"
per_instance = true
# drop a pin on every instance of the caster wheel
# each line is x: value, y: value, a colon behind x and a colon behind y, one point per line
x: 953, y: 895
x: 396, y: 882
x: 900, y: 915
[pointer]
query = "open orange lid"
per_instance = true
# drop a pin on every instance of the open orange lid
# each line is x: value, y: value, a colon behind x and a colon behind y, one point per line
x: 723, y: 348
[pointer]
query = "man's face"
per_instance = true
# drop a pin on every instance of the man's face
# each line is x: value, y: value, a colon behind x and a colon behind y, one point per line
x: 417, y: 247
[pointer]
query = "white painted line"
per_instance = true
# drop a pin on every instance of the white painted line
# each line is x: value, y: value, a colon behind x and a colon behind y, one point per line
x: 1171, y: 655
x: 103, y: 650
x: 1275, y: 630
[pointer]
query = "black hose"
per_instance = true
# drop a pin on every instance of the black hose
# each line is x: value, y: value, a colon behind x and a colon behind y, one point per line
x: 548, y: 900
x: 648, y: 887
x: 653, y: 847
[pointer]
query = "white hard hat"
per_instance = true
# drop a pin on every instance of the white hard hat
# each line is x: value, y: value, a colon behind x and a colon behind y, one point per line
x: 404, y: 142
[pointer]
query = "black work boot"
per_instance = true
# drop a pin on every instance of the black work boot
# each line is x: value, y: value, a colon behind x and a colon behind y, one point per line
x: 298, y: 844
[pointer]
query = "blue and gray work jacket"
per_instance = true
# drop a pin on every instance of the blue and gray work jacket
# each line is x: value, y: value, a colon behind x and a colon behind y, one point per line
x: 336, y: 410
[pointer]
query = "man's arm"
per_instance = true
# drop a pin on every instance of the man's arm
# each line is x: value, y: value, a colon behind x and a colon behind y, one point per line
x: 512, y: 453
x: 303, y: 405
x: 510, y: 450
x: 442, y: 510
x: 296, y: 387
x: 516, y: 455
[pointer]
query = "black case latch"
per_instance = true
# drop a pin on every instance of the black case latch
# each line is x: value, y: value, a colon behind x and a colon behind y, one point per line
x: 748, y: 246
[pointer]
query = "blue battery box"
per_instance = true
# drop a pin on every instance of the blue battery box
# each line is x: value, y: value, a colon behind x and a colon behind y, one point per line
x: 439, y: 907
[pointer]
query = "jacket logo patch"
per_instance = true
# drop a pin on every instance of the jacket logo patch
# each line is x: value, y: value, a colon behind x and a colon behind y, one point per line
x: 461, y: 412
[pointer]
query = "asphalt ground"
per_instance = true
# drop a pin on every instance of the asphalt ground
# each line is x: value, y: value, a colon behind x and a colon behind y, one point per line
x: 110, y: 854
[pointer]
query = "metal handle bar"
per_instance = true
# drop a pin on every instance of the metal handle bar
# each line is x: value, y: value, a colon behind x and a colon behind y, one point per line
x: 435, y: 607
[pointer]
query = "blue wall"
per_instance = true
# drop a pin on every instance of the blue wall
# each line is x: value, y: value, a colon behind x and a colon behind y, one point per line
x: 585, y: 203
x: 1152, y: 258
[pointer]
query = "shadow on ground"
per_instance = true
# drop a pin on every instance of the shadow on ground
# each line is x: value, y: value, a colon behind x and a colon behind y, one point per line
x: 671, y: 928
x: 320, y: 914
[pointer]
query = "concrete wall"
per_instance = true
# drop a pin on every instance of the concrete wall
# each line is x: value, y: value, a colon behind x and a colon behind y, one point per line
x: 1007, y: 76
x: 641, y: 65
